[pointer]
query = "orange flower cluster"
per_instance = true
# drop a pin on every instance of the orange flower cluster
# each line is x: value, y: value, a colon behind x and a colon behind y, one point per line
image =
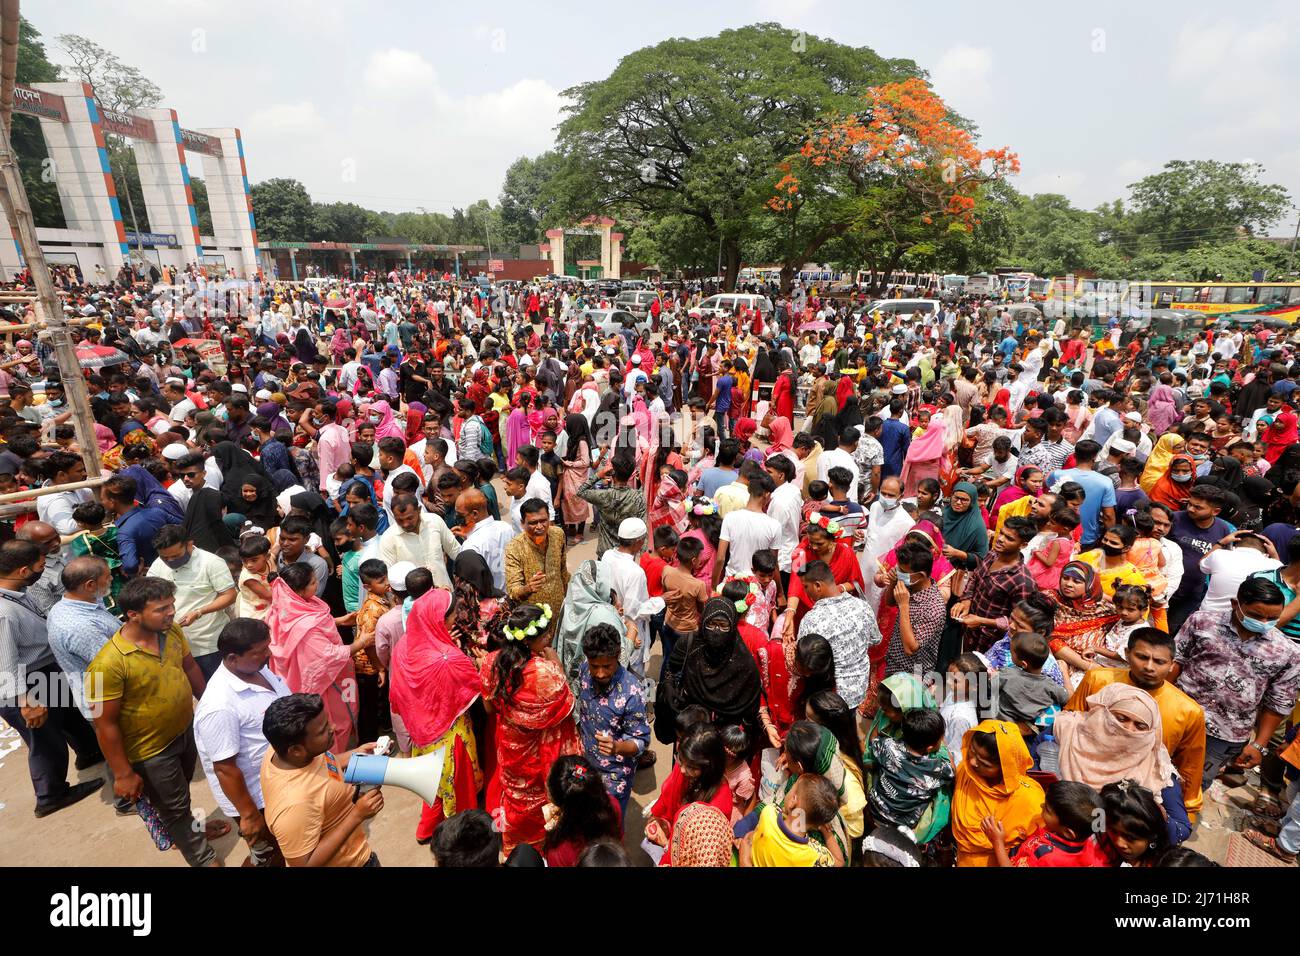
x: 906, y: 130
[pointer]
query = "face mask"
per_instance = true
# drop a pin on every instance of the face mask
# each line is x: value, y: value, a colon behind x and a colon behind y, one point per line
x: 715, y: 641
x: 55, y: 403
x: 374, y: 419
x: 1181, y: 479
x: 177, y: 563
x: 1254, y: 625
x: 1113, y: 551
x: 888, y: 502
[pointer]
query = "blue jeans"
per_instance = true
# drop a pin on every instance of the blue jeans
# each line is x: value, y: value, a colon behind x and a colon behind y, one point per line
x: 1218, y: 754
x: 1288, y: 837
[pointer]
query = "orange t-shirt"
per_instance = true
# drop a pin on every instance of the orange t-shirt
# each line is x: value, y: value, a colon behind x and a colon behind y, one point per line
x: 304, y: 804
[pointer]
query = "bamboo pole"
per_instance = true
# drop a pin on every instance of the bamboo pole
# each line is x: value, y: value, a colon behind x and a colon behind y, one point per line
x: 13, y: 195
x: 51, y: 490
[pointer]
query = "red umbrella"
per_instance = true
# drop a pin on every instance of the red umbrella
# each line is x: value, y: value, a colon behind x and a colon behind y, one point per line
x: 99, y: 356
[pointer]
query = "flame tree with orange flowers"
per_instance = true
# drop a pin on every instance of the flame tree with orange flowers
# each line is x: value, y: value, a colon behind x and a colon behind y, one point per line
x: 892, y: 178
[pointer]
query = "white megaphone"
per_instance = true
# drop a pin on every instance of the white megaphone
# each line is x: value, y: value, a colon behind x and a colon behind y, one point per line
x: 420, y: 774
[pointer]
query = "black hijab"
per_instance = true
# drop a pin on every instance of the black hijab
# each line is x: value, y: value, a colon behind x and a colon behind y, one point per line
x: 203, y: 521
x: 263, y: 512
x: 320, y: 516
x: 237, y: 466
x: 719, y: 672
x: 471, y: 568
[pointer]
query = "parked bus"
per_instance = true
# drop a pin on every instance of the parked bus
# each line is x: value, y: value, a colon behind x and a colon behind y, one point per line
x: 984, y: 284
x: 1268, y: 299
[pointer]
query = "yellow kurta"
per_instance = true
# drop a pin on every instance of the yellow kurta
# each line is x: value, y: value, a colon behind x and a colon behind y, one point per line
x: 524, y: 559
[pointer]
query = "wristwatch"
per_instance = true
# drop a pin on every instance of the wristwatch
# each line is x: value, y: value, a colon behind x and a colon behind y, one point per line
x: 1263, y: 751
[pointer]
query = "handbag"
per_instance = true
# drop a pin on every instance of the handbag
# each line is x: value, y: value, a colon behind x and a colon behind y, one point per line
x: 667, y: 698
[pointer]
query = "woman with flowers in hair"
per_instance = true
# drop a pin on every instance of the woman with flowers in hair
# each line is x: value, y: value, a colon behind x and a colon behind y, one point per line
x: 824, y: 540
x: 524, y: 685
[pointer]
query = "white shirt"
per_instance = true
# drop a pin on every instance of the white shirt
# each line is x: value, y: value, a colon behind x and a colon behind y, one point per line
x: 181, y: 409
x: 489, y: 539
x: 56, y: 510
x: 182, y: 494
x: 430, y: 547
x: 745, y: 532
x: 1227, y: 568
x: 838, y: 458
x: 228, y: 723
x: 198, y: 582
x: 212, y: 477
x: 537, y: 487
x: 628, y: 580
x: 786, y: 507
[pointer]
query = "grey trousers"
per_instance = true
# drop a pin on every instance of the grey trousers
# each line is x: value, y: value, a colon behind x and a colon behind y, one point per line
x: 166, y: 778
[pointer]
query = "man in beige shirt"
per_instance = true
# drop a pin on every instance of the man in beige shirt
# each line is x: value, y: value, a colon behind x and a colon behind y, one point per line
x: 419, y: 537
x: 536, y: 569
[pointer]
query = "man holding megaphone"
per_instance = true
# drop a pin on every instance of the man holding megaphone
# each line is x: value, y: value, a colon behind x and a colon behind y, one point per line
x: 315, y: 817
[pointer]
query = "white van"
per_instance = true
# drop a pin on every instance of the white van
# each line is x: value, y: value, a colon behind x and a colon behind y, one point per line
x: 983, y: 284
x: 730, y: 304
x: 906, y: 307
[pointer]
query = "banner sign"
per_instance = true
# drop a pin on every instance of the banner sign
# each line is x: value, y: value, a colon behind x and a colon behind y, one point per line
x: 165, y: 239
x: 127, y: 124
x: 496, y: 265
x: 199, y: 143
x: 37, y: 103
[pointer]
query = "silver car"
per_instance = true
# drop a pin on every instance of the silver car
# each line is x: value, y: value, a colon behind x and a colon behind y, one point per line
x: 613, y: 321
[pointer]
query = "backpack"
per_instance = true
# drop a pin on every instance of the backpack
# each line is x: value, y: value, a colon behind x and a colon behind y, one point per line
x: 484, y: 438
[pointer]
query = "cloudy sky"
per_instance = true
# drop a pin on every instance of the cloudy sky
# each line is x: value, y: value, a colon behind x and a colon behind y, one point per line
x: 403, y: 105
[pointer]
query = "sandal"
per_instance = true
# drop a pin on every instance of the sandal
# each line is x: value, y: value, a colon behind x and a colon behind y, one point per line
x: 1267, y: 805
x: 1266, y: 826
x: 1269, y: 845
x: 216, y: 829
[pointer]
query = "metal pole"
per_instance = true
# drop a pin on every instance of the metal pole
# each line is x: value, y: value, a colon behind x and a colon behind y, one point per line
x: 1290, y: 262
x: 14, y: 197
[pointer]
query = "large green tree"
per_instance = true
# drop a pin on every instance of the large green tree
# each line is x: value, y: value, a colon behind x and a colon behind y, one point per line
x: 118, y: 86
x: 283, y: 210
x: 342, y: 222
x: 1193, y: 202
x: 25, y: 131
x: 525, y: 205
x: 691, y: 127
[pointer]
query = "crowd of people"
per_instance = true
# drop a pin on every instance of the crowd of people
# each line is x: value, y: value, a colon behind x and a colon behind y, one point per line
x: 888, y: 589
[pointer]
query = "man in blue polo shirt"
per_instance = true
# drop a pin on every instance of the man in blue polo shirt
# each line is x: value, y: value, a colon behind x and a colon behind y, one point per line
x: 135, y: 526
x: 1097, y: 513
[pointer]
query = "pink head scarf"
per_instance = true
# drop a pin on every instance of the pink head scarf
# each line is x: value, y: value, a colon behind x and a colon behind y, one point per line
x: 781, y: 433
x: 387, y: 427
x: 432, y: 682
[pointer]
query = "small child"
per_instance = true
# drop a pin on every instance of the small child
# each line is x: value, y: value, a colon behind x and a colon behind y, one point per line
x: 254, y: 588
x: 1070, y: 813
x: 1133, y: 601
x: 335, y: 481
x: 911, y: 771
x: 377, y: 602
x: 739, y: 776
x: 784, y: 835
x: 819, y: 494
x: 1146, y: 554
x: 1052, y: 548
x: 1021, y: 692
x: 764, y: 564
x: 958, y: 707
x: 1137, y: 831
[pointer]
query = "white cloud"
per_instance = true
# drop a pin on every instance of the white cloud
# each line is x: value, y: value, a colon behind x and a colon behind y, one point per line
x: 397, y: 72
x: 286, y: 119
x: 962, y: 73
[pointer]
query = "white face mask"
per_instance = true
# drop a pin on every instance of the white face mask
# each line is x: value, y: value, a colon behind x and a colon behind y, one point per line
x: 888, y: 502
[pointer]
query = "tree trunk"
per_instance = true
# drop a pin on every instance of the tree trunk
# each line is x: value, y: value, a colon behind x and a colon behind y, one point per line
x: 730, y: 264
x: 787, y: 277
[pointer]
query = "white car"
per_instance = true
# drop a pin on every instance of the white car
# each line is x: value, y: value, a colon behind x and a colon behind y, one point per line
x: 730, y: 303
x: 904, y: 306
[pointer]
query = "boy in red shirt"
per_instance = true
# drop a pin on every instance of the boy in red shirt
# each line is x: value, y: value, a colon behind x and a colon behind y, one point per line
x: 653, y: 564
x: 1072, y: 815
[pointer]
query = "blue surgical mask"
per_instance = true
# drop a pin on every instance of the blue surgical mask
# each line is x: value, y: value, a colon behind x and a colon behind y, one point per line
x: 177, y: 563
x: 1254, y: 625
x: 1181, y: 479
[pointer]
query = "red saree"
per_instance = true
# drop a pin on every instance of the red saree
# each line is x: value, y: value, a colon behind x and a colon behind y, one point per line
x: 534, y: 728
